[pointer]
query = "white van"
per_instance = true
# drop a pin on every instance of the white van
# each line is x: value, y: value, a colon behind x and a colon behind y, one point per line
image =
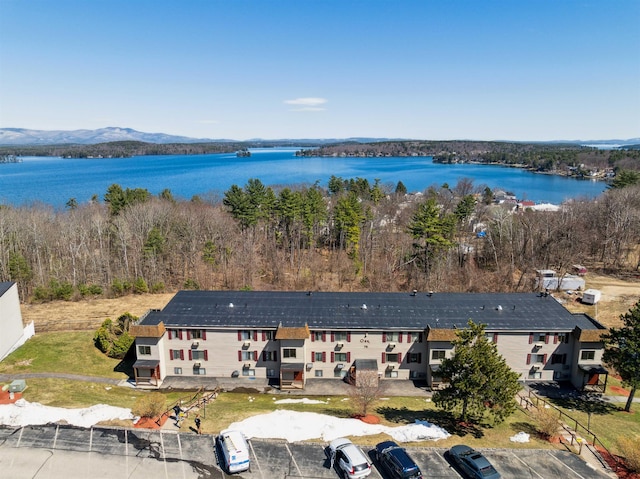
x: 235, y: 450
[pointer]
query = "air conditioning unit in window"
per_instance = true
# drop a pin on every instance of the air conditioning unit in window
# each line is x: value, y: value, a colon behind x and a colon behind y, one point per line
x: 246, y: 344
x: 309, y: 366
x: 247, y: 365
x: 391, y: 345
x: 535, y: 367
x: 195, y: 345
x: 339, y: 345
x: 538, y: 344
x: 196, y: 365
x: 339, y: 366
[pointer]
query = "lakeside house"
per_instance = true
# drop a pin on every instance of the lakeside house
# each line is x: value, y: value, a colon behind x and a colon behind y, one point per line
x: 289, y: 338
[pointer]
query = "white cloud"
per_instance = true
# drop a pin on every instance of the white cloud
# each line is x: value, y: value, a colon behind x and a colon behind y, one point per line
x: 307, y: 102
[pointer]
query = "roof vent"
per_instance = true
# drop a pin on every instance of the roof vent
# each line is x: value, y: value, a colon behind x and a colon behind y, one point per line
x: 364, y: 306
x: 231, y: 305
x: 430, y: 293
x: 415, y: 291
x: 499, y: 308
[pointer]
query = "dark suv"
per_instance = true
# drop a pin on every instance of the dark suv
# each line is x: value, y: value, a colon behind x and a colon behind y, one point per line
x: 395, y: 461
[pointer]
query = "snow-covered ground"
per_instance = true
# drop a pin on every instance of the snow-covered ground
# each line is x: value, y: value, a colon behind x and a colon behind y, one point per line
x: 281, y: 424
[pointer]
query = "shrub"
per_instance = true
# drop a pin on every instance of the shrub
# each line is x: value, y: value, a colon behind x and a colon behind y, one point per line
x: 118, y: 287
x: 113, y: 338
x: 62, y: 291
x: 89, y: 290
x: 547, y: 421
x: 42, y: 293
x: 121, y: 346
x: 140, y: 286
x: 150, y: 405
x: 157, y: 287
x: 630, y: 450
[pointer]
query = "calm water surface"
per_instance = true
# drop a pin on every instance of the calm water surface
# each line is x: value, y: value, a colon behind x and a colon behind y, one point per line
x: 55, y: 180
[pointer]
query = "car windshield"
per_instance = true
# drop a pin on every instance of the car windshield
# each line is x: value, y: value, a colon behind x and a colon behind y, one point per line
x: 487, y: 471
x: 361, y: 467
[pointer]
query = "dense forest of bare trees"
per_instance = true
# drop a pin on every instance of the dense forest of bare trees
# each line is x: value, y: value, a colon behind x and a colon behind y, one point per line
x: 351, y: 236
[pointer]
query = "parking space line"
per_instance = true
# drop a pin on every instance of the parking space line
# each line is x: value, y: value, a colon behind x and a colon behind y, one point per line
x: 447, y: 463
x: 90, y: 439
x: 527, y: 465
x: 255, y: 457
x: 164, y: 456
x: 20, y: 437
x: 55, y: 436
x: 575, y: 472
x: 293, y: 459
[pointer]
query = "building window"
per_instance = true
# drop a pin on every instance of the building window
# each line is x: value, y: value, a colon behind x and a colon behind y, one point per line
x: 340, y: 357
x: 391, y: 373
x: 563, y: 338
x: 269, y: 356
x: 271, y: 373
x: 340, y: 336
x: 318, y: 373
x: 246, y: 355
x: 414, y: 358
x: 587, y: 355
x: 196, y: 334
x: 289, y: 353
x: 268, y: 335
x: 244, y: 335
x: 339, y: 373
x: 540, y: 337
x: 558, y: 359
x: 393, y: 357
x: 318, y: 356
x: 197, y: 355
x: 177, y: 370
x: 535, y: 375
x: 199, y: 372
x: 319, y: 336
x: 537, y: 358
x: 144, y: 350
x: 248, y: 372
x: 177, y: 354
x: 438, y: 354
x: 392, y: 337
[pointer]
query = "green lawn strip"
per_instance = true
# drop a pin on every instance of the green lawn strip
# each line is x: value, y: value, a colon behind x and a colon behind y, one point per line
x: 61, y: 352
x: 81, y: 394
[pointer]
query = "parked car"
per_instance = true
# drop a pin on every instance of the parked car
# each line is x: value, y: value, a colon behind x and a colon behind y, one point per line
x: 349, y: 458
x: 473, y: 463
x: 395, y: 461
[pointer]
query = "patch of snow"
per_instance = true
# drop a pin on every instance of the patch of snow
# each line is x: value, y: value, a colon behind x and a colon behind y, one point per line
x: 308, y: 425
x: 520, y: 437
x: 24, y: 413
x: 298, y: 401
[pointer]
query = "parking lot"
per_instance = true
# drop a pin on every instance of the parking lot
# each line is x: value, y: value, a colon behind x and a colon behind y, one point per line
x: 67, y: 452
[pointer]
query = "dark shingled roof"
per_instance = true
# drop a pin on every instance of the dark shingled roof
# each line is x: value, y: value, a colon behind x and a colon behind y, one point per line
x: 4, y: 286
x: 367, y: 311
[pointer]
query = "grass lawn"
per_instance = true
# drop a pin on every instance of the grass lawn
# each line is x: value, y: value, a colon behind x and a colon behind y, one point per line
x: 61, y: 352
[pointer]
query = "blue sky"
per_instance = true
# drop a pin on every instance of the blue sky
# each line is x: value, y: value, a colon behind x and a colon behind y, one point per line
x: 241, y: 69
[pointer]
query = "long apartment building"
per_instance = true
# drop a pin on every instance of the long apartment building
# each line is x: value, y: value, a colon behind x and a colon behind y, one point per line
x: 290, y: 337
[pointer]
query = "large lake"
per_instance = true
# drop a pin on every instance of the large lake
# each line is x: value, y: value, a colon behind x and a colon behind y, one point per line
x: 55, y: 180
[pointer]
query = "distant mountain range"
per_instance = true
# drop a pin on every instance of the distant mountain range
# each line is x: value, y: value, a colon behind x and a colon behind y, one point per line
x: 25, y: 137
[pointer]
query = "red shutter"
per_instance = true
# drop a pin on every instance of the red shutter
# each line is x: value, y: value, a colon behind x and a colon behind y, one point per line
x: 179, y: 333
x: 544, y: 359
x: 333, y: 358
x: 348, y: 357
x: 399, y: 358
x: 384, y: 358
x: 182, y: 354
x: 264, y: 336
x: 528, y: 359
x: 239, y: 355
x: 313, y: 336
x: 255, y: 335
x: 204, y: 334
x: 399, y: 337
x: 239, y: 335
x: 333, y: 337
x: 169, y: 332
x: 530, y: 338
x: 495, y: 338
x: 206, y: 355
x: 255, y: 355
x: 324, y: 356
x: 555, y: 338
x: 188, y: 334
x: 171, y: 353
x: 264, y: 355
x: 324, y: 336
x: 348, y: 337
x: 384, y: 337
x: 408, y: 337
x: 546, y: 338
x: 190, y: 355
x: 313, y: 356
